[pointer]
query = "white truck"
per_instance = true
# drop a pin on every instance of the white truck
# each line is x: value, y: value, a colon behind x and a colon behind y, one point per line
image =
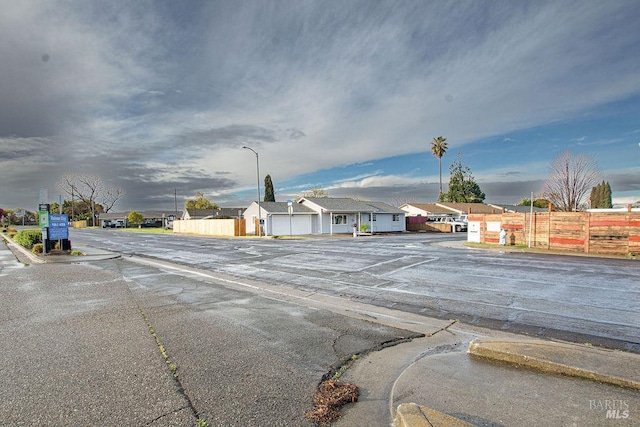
x: 457, y: 224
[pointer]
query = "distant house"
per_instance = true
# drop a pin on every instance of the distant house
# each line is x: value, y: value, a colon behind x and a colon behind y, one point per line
x: 519, y: 209
x: 425, y: 209
x: 220, y: 213
x: 325, y: 216
x: 161, y: 218
x: 448, y: 209
x: 106, y: 219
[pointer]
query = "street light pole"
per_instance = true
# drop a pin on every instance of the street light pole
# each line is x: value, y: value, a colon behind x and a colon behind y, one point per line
x: 258, y: 175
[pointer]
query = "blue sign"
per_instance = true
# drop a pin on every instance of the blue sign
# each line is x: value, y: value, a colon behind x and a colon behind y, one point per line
x: 58, y: 226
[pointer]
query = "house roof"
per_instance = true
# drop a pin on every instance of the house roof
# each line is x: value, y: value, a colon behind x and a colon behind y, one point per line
x: 113, y: 215
x: 159, y: 214
x: 347, y: 205
x: 220, y: 212
x: 464, y: 208
x: 277, y: 208
x: 519, y: 209
x: 429, y: 207
x: 145, y: 214
x: 386, y: 208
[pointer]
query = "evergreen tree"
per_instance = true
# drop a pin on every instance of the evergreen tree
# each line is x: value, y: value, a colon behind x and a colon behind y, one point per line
x: 607, y: 202
x: 594, y: 197
x: 462, y: 185
x: 269, y: 193
x: 601, y: 196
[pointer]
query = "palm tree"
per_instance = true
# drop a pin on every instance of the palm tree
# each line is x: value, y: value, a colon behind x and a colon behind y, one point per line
x: 438, y: 148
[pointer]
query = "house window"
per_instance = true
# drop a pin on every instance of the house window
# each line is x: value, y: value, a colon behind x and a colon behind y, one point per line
x: 374, y: 217
x: 396, y: 217
x: 339, y: 219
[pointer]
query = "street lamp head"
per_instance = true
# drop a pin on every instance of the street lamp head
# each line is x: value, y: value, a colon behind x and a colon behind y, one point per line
x: 249, y: 148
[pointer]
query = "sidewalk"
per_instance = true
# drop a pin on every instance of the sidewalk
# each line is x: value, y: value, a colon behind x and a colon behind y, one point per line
x: 462, y: 376
x: 79, y: 355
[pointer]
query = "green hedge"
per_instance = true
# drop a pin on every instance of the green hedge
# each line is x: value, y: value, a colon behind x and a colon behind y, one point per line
x: 28, y: 238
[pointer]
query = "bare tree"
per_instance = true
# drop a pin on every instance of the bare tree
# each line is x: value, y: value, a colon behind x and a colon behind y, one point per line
x: 90, y: 190
x: 315, y: 192
x: 110, y: 197
x: 570, y: 180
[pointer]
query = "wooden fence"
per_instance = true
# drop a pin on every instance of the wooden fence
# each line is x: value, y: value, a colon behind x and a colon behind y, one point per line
x: 420, y: 223
x: 587, y: 232
x: 211, y: 227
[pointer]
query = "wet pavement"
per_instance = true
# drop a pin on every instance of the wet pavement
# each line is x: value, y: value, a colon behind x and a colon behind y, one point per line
x: 83, y: 354
x: 581, y: 299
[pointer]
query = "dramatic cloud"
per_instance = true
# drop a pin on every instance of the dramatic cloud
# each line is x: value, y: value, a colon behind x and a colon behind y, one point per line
x: 160, y: 97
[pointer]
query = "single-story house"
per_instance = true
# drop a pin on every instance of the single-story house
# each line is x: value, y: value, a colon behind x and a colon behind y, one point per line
x: 448, y: 208
x: 325, y: 215
x: 341, y: 215
x: 156, y: 218
x: 105, y: 219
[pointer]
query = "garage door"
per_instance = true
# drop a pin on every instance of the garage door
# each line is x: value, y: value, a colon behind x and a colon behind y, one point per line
x: 300, y: 224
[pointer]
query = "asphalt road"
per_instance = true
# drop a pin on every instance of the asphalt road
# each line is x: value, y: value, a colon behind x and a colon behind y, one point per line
x: 582, y: 299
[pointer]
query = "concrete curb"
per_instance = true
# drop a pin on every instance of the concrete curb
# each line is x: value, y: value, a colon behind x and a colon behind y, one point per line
x: 607, y: 366
x: 413, y: 415
x: 24, y: 251
x: 90, y: 254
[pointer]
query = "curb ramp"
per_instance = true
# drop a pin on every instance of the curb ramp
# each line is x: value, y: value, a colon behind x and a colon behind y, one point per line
x: 577, y: 360
x: 413, y: 415
x: 603, y: 365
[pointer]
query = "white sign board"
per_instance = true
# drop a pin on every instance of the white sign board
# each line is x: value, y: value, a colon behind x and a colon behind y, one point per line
x: 44, y: 196
x: 473, y: 231
x: 493, y: 226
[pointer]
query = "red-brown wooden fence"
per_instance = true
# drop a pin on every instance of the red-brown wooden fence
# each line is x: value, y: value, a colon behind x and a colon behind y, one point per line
x: 587, y: 232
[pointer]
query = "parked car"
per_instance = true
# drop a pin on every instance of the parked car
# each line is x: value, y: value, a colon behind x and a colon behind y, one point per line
x: 457, y: 224
x: 151, y: 224
x: 116, y: 223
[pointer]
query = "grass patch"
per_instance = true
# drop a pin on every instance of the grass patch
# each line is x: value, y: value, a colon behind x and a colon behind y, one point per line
x: 172, y: 366
x: 150, y: 230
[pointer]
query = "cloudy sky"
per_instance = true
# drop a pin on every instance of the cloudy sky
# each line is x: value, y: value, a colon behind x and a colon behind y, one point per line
x: 158, y: 97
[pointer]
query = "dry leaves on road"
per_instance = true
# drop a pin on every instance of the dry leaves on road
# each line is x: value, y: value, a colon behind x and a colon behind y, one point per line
x: 329, y: 398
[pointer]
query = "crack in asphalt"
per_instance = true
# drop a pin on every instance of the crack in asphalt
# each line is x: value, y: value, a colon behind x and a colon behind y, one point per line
x: 172, y: 367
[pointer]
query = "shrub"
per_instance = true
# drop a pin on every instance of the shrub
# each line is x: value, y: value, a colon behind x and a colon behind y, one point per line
x: 37, y: 248
x: 28, y: 238
x: 11, y: 232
